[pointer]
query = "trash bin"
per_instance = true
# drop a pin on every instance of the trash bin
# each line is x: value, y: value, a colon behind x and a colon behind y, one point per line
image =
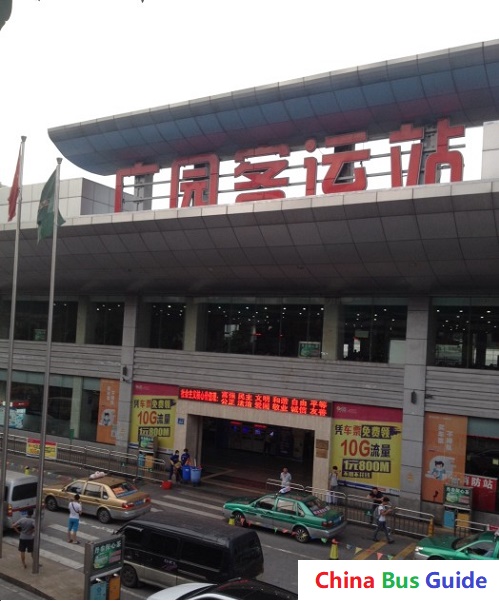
x: 186, y: 473
x: 196, y: 476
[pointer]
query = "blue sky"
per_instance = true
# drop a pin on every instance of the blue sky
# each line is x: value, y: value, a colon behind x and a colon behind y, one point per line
x: 77, y: 60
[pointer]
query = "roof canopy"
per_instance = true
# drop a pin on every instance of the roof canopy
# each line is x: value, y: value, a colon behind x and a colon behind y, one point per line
x: 460, y: 83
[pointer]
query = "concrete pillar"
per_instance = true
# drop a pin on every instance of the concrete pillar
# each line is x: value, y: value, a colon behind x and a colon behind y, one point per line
x: 331, y: 331
x: 418, y: 312
x: 191, y: 326
x: 126, y: 383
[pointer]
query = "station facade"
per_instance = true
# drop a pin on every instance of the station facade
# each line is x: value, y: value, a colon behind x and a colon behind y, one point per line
x: 299, y: 270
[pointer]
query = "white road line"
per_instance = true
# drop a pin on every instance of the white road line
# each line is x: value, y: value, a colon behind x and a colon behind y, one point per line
x: 189, y: 510
x: 83, y: 535
x: 181, y: 500
x: 76, y: 565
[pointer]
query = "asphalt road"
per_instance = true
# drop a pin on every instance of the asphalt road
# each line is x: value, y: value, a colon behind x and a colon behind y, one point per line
x: 281, y: 551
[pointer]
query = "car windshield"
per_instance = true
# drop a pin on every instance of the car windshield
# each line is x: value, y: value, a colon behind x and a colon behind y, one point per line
x: 122, y: 489
x: 465, y: 540
x: 316, y: 505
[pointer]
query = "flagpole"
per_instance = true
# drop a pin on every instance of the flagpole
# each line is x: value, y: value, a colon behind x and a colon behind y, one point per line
x: 10, y: 353
x: 46, y: 379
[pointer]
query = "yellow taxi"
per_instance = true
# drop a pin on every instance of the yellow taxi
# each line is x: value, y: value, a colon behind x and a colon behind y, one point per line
x: 107, y: 497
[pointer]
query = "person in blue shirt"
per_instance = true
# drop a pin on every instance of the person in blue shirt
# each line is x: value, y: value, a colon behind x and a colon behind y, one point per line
x: 185, y: 458
x: 175, y: 466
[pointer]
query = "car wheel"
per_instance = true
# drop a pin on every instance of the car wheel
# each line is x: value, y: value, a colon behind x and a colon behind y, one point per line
x: 51, y: 504
x: 103, y: 516
x: 129, y: 577
x: 239, y: 519
x: 301, y: 534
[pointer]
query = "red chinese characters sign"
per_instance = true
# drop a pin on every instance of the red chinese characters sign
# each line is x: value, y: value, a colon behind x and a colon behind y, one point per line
x: 263, y: 173
x: 484, y: 491
x: 264, y: 402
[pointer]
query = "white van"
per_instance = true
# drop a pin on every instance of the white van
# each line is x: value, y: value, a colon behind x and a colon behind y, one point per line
x: 20, y: 495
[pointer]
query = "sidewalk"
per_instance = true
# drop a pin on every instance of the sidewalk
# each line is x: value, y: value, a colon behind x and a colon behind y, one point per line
x: 52, y: 582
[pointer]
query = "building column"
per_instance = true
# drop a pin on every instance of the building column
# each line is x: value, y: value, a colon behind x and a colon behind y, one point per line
x: 418, y: 312
x: 331, y: 331
x: 490, y: 150
x: 191, y: 329
x: 126, y: 376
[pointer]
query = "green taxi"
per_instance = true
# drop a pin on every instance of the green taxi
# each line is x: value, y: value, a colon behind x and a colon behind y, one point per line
x: 298, y: 513
x: 481, y: 545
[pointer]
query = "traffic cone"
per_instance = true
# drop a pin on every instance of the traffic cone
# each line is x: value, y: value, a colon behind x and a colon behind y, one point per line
x: 26, y: 470
x: 232, y: 522
x: 333, y: 552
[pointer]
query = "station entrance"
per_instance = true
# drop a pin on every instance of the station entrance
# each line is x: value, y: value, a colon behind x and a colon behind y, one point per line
x: 231, y: 443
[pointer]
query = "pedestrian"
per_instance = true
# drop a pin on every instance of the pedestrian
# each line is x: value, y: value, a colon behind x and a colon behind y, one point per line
x: 285, y: 481
x: 333, y: 484
x: 25, y: 527
x: 75, y: 510
x: 383, y: 510
x: 185, y: 458
x: 175, y: 466
x: 376, y: 497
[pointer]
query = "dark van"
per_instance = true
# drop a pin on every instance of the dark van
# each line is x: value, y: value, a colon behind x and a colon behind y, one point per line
x: 165, y: 551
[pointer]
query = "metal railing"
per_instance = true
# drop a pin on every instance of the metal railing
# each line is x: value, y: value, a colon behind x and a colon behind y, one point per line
x: 135, y: 466
x: 358, y: 510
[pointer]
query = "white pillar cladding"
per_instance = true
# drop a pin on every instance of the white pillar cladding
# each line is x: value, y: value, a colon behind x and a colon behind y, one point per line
x: 330, y: 330
x: 490, y: 150
x: 418, y: 312
x: 127, y: 356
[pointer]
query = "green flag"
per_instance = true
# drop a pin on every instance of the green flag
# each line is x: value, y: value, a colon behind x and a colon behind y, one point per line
x: 45, y: 218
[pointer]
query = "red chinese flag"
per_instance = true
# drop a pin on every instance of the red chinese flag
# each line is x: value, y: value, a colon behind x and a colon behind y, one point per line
x: 14, y: 191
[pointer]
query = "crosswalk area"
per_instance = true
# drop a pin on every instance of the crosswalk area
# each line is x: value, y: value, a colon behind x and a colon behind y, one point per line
x: 53, y: 537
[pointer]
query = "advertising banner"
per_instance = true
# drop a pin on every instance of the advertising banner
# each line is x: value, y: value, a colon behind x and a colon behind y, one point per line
x: 484, y: 491
x: 33, y: 449
x: 153, y: 413
x: 444, y: 454
x: 108, y: 411
x: 367, y: 444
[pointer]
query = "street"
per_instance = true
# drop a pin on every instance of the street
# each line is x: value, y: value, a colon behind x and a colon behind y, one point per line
x: 281, y: 551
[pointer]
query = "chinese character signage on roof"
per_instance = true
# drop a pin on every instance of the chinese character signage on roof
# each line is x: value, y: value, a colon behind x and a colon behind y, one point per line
x: 340, y: 164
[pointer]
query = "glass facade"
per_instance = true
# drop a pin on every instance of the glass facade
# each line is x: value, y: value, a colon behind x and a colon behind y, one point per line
x: 465, y: 333
x: 261, y: 328
x: 32, y: 316
x: 373, y: 329
x: 105, y: 323
x: 167, y: 321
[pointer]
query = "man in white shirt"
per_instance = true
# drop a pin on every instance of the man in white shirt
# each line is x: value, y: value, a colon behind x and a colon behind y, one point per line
x: 75, y: 510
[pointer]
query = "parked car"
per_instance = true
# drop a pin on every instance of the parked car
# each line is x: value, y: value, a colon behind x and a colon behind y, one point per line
x: 304, y: 515
x: 233, y: 589
x: 482, y: 545
x: 107, y: 497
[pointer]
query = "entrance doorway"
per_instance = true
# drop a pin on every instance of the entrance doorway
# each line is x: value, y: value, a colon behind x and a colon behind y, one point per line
x: 257, y: 446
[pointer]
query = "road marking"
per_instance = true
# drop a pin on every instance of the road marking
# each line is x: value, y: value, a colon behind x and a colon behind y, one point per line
x: 57, y: 557
x: 191, y: 502
x: 65, y: 530
x: 405, y: 552
x: 369, y: 551
x: 196, y: 511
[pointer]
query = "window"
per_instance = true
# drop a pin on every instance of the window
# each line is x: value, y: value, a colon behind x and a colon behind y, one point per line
x: 256, y: 327
x: 166, y: 325
x: 76, y: 487
x: 466, y: 333
x: 32, y: 316
x: 105, y: 323
x: 285, y: 506
x: 266, y: 503
x: 372, y: 328
x: 93, y: 490
x: 207, y: 556
x: 24, y: 491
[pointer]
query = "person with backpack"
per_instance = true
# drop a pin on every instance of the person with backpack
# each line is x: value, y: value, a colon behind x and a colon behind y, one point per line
x: 382, y: 511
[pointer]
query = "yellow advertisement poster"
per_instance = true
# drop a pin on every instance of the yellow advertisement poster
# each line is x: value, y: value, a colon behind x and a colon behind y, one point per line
x: 153, y: 414
x: 367, y: 446
x: 33, y: 449
x: 108, y: 411
x: 444, y: 454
